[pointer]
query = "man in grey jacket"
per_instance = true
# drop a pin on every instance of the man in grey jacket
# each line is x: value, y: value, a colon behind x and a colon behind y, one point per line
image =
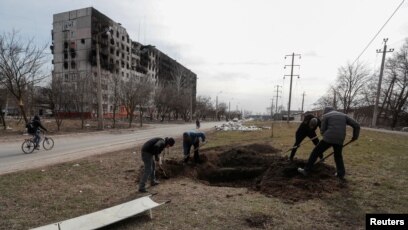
x: 333, y: 130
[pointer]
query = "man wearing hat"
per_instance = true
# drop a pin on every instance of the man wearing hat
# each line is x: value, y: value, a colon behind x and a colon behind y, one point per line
x: 306, y: 129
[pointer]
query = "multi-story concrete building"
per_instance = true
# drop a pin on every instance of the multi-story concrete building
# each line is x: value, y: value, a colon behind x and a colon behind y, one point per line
x: 77, y: 34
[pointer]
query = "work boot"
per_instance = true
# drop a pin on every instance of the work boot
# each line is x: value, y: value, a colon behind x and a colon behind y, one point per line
x: 142, y: 190
x: 302, y: 171
x: 341, y: 178
x: 186, y: 159
x: 154, y: 183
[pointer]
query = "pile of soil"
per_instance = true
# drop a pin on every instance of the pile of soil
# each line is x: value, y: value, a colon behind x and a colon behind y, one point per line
x: 258, y: 167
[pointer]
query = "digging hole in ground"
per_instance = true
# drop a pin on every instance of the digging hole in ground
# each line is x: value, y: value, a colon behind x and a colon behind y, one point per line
x: 258, y: 167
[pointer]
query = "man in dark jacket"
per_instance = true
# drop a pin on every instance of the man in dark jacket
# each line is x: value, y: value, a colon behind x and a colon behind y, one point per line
x: 333, y: 129
x: 36, y: 123
x: 192, y: 138
x: 306, y: 129
x: 151, y: 148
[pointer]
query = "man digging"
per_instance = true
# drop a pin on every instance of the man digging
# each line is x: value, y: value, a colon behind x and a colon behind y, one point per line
x: 151, y: 148
x: 306, y: 129
x: 333, y: 129
x: 192, y: 138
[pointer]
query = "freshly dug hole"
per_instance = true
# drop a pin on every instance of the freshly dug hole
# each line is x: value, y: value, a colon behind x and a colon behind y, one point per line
x: 258, y: 167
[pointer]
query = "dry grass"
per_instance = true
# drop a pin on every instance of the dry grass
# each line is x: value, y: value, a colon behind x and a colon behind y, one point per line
x: 376, y: 165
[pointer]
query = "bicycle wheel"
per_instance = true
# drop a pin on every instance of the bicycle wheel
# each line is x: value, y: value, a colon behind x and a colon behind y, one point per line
x: 48, y: 143
x: 27, y: 146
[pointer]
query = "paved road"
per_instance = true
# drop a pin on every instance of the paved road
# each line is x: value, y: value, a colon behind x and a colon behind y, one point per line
x: 71, y: 147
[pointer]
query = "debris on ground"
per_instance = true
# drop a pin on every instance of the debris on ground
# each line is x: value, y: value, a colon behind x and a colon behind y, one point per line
x: 236, y: 126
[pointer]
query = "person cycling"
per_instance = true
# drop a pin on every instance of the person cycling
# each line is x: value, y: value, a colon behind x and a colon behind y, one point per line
x: 36, y: 125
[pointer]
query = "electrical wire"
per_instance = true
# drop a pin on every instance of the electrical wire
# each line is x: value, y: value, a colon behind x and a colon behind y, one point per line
x: 375, y: 36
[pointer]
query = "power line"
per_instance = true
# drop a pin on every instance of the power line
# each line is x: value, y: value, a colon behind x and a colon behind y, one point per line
x: 378, y: 31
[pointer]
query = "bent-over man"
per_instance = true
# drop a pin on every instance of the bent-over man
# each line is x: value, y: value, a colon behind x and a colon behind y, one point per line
x: 151, y: 148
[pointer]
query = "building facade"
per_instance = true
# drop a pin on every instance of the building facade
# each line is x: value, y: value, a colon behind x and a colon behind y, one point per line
x: 79, y: 35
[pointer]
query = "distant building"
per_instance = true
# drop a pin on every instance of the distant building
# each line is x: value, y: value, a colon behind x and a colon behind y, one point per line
x: 75, y: 36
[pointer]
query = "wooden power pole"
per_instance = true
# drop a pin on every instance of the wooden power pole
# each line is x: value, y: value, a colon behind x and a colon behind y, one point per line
x: 377, y: 98
x: 291, y: 77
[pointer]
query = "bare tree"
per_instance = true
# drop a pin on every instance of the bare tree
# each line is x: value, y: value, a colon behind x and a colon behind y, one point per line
x: 162, y: 99
x: 204, y: 107
x: 144, y: 92
x: 350, y: 82
x: 3, y: 98
x: 115, y: 96
x: 397, y: 91
x: 81, y: 95
x: 20, y: 66
x: 183, y: 93
x: 59, y: 99
x: 129, y: 97
x: 328, y: 99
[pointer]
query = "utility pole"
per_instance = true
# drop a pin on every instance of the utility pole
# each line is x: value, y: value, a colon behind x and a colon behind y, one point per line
x: 291, y: 77
x: 216, y: 107
x: 229, y: 110
x: 303, y: 100
x: 277, y: 96
x: 271, y: 108
x: 377, y: 98
x: 334, y: 99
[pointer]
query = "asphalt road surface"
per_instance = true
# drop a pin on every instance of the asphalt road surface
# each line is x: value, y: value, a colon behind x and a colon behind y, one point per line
x: 75, y: 146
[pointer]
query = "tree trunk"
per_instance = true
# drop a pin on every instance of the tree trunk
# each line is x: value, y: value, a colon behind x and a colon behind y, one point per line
x: 141, y: 117
x: 3, y: 120
x: 23, y: 113
x: 130, y: 119
x: 114, y: 116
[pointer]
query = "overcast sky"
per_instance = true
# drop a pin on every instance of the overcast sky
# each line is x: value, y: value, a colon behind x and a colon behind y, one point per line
x: 239, y: 46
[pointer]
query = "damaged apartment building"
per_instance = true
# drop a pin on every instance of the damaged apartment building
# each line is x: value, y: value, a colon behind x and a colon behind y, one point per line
x: 77, y: 34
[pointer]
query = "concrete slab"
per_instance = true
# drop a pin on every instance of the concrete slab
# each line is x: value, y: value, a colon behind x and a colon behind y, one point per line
x: 105, y: 217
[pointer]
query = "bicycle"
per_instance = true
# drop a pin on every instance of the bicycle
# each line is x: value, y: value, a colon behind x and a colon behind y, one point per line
x: 28, y: 145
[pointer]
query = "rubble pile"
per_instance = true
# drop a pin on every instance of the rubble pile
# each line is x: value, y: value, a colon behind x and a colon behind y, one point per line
x: 236, y: 126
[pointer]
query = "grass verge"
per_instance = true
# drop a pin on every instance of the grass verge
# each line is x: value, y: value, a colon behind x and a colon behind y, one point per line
x: 376, y: 171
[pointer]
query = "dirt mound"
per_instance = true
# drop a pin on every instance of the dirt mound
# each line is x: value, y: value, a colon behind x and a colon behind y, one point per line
x: 282, y: 180
x: 258, y: 167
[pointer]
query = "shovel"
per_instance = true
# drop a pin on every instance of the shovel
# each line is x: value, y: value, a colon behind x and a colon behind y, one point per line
x: 164, y: 173
x: 195, y: 149
x: 297, y: 146
x: 324, y: 158
x: 165, y: 176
